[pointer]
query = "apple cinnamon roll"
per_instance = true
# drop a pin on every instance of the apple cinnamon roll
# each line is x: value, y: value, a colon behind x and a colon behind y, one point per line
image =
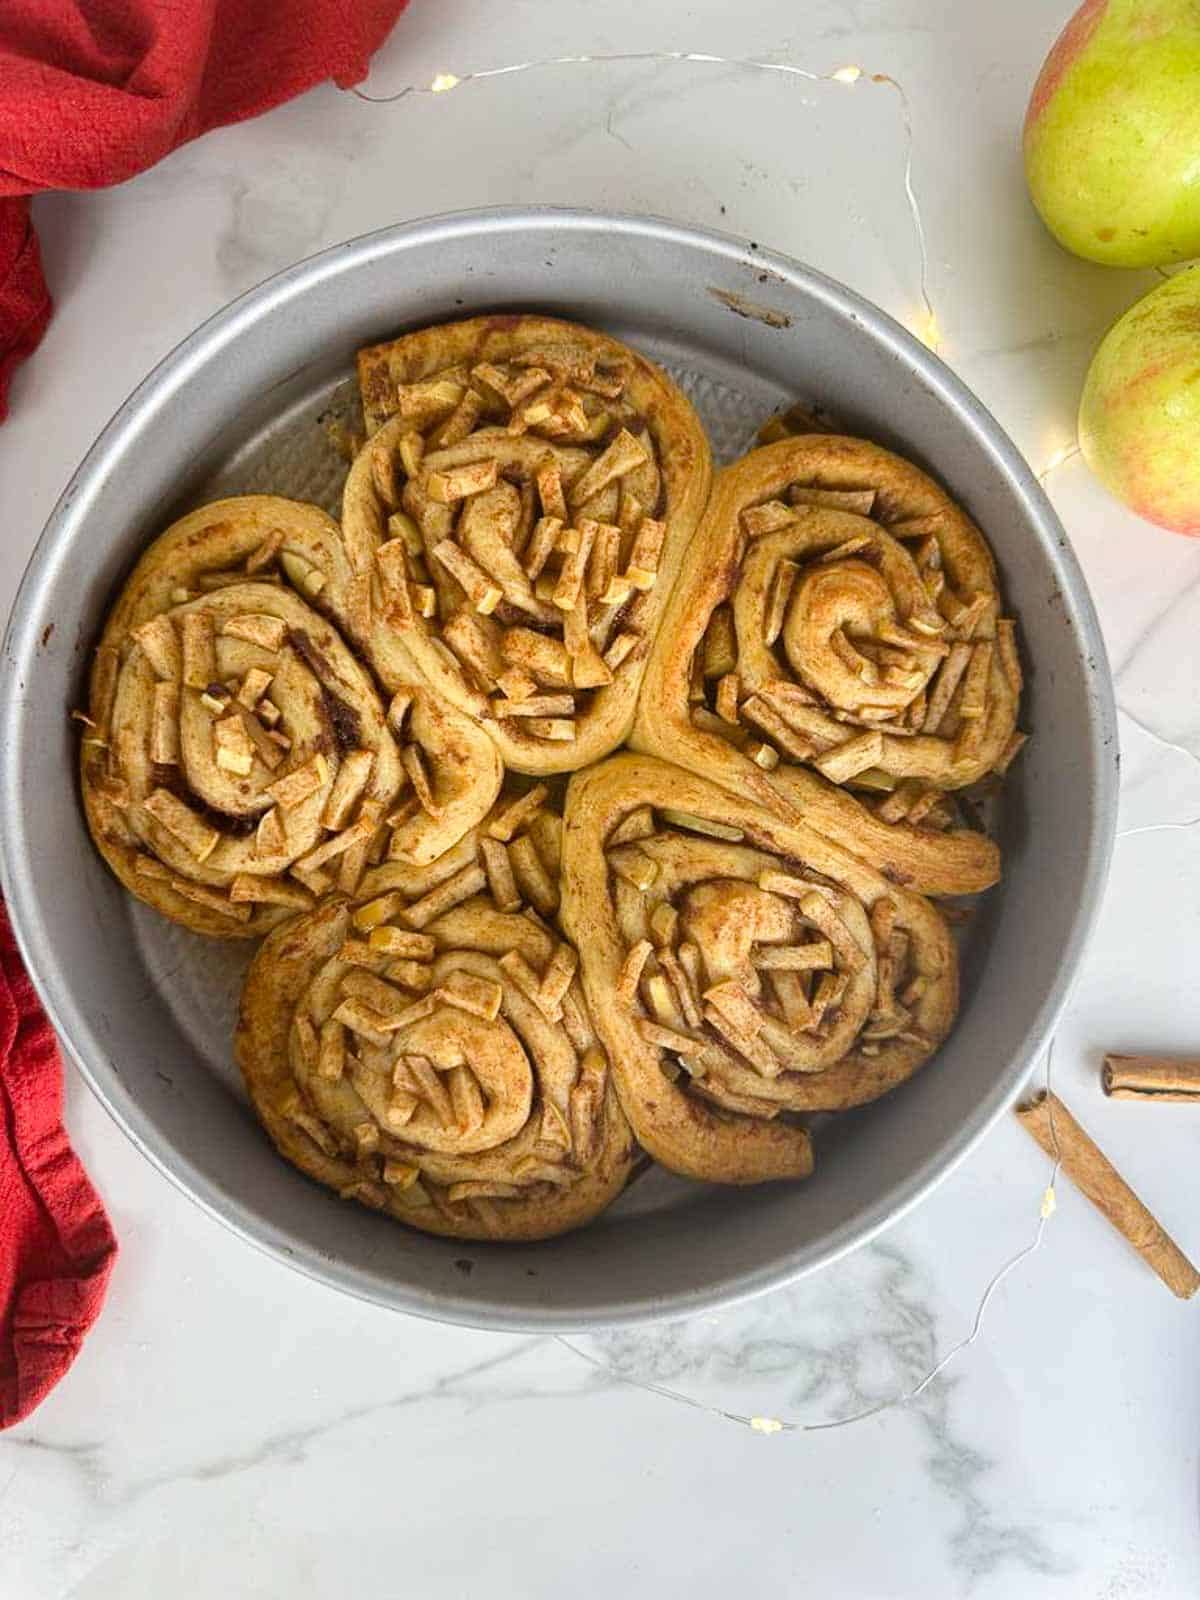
x: 839, y: 615
x: 515, y: 521
x: 428, y: 1051
x: 741, y: 968
x: 237, y: 761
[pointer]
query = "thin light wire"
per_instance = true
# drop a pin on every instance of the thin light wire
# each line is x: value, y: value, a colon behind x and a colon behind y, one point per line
x: 443, y: 82
x: 933, y: 334
x: 1159, y: 827
x: 930, y: 333
x: 1167, y: 744
x: 849, y: 75
x: 1059, y: 459
x: 761, y: 1424
x: 1159, y: 738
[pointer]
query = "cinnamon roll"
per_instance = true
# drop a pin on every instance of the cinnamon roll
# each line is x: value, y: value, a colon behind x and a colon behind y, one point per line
x: 236, y: 758
x: 837, y: 623
x: 514, y: 524
x: 741, y: 968
x: 428, y: 1051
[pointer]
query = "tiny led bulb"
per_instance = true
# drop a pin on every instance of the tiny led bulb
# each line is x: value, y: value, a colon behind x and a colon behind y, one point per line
x: 928, y: 331
x: 766, y: 1425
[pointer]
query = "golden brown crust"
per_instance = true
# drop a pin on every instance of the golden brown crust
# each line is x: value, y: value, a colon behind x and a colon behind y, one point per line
x: 779, y: 972
x: 520, y: 510
x: 231, y: 734
x: 428, y: 1051
x: 467, y: 1005
x: 833, y: 604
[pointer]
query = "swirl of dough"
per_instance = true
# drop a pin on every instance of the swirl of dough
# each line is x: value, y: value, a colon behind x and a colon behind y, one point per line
x: 236, y: 761
x: 428, y: 1050
x: 838, y: 616
x: 740, y: 967
x: 518, y: 514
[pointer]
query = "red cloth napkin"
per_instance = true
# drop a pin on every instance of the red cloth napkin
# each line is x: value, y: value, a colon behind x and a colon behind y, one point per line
x: 94, y: 91
x: 56, y: 1245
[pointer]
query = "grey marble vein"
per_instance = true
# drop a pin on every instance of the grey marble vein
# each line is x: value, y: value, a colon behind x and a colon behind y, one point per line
x: 807, y: 1347
x: 274, y: 218
x: 88, y: 1459
x: 831, y: 1372
x: 1179, y: 602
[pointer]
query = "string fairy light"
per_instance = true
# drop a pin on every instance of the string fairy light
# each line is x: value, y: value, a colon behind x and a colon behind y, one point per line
x: 1159, y: 738
x: 1059, y: 458
x: 1160, y: 827
x: 1167, y: 744
x: 926, y: 325
x: 928, y: 329
x: 774, y: 1425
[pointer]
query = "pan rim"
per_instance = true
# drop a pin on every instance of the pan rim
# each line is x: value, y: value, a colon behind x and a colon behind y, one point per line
x: 17, y: 871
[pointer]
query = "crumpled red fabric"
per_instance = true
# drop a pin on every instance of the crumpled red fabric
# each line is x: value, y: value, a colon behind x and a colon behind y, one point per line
x: 94, y: 91
x: 56, y: 1244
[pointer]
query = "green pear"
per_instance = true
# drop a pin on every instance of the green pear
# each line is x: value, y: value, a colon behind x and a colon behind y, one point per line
x: 1112, y: 133
x: 1139, y: 419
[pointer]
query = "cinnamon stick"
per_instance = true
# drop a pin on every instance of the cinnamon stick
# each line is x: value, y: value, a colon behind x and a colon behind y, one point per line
x: 1060, y: 1136
x: 1151, y: 1078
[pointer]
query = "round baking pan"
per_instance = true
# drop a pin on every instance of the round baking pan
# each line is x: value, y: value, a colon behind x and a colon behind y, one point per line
x: 146, y: 1010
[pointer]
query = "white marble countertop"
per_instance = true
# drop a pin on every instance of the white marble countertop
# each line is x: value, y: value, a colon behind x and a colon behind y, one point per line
x: 232, y: 1429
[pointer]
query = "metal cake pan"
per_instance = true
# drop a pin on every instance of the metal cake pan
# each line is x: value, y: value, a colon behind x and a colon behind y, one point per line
x: 146, y: 1010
